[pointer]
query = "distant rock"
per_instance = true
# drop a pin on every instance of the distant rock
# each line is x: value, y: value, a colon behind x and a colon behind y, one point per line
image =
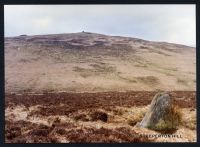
x: 24, y: 35
x: 160, y: 115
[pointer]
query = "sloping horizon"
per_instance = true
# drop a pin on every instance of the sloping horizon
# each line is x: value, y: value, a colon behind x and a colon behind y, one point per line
x: 158, y: 41
x: 162, y: 23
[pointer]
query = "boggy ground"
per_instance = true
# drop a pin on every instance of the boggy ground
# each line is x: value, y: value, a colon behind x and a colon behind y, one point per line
x: 90, y: 117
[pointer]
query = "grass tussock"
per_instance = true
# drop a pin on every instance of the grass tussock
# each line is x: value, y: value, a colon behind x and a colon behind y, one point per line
x: 171, y: 121
x: 119, y: 112
x: 137, y: 117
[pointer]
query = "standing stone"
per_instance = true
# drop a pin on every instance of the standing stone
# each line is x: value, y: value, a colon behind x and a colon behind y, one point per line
x: 158, y: 113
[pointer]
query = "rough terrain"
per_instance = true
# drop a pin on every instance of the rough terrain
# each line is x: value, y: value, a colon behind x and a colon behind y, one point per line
x: 91, y: 117
x: 79, y: 62
x: 88, y: 87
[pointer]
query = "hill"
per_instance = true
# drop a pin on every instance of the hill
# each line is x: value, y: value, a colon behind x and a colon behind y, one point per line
x: 91, y: 62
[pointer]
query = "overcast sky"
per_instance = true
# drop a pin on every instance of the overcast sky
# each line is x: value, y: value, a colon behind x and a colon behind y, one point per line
x: 170, y: 23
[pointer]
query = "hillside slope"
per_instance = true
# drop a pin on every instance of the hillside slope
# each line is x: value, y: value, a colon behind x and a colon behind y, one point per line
x: 79, y: 62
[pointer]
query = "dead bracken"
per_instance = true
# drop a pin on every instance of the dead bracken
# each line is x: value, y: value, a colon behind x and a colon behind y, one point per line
x: 83, y: 117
